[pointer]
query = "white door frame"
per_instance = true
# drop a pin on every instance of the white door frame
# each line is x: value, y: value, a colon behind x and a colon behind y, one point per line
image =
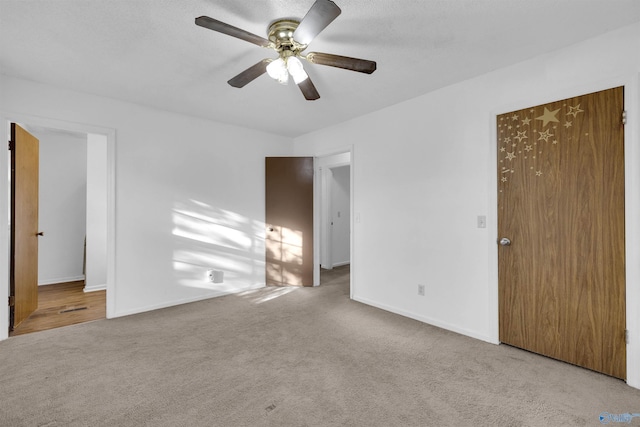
x: 321, y: 207
x: 5, y: 119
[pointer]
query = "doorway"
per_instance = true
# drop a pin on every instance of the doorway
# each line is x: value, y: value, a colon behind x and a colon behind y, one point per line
x: 71, y: 256
x: 95, y: 265
x: 303, y: 193
x: 335, y: 202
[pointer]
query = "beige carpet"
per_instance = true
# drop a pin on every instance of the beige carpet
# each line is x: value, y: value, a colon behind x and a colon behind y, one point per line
x: 289, y: 357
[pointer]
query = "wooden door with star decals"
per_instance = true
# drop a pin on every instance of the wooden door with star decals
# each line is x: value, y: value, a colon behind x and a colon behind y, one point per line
x: 561, y: 253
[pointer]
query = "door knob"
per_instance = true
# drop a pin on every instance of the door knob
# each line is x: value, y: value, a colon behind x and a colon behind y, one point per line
x: 41, y: 233
x: 505, y: 242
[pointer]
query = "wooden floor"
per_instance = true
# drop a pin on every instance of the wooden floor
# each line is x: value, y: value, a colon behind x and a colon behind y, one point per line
x: 63, y: 304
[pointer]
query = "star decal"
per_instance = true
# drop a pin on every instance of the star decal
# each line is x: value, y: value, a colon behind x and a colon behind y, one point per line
x: 502, y: 149
x: 507, y: 140
x: 567, y: 124
x: 520, y: 136
x: 528, y: 148
x: 574, y: 111
x: 548, y: 116
x: 526, y: 121
x: 504, y: 179
x: 545, y: 135
x: 511, y: 156
x: 538, y: 173
x: 514, y: 117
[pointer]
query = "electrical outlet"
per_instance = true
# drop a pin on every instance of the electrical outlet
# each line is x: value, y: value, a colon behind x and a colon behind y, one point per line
x: 421, y: 290
x: 215, y: 276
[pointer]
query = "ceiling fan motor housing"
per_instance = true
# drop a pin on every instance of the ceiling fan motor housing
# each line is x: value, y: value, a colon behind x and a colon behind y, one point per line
x: 281, y: 35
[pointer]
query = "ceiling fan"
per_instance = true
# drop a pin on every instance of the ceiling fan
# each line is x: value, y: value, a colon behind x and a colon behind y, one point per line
x: 289, y: 38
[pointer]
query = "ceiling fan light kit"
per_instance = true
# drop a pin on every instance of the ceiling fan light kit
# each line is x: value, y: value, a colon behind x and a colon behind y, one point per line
x: 289, y: 38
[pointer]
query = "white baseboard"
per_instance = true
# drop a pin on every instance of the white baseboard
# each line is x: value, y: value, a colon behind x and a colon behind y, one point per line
x: 94, y: 288
x: 60, y: 280
x: 430, y: 321
x: 340, y: 264
x: 217, y: 294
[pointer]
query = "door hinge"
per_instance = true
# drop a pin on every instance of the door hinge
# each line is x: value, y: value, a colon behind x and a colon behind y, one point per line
x: 12, y: 301
x: 626, y: 336
x: 10, y: 145
x: 624, y: 117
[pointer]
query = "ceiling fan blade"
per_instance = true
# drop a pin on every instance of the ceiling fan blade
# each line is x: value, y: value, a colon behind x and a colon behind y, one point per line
x: 308, y: 89
x: 345, y: 62
x: 250, y: 74
x: 230, y: 30
x: 321, y: 14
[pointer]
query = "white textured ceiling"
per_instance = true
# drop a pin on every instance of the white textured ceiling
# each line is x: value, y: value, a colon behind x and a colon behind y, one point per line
x: 150, y: 52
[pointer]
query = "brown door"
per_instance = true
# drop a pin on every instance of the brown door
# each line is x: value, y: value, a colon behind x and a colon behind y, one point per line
x: 24, y: 225
x: 289, y: 221
x: 561, y: 205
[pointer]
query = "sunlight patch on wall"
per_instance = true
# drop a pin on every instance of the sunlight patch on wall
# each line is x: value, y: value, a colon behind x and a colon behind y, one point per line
x: 191, y: 279
x: 207, y: 237
x: 190, y: 225
x: 284, y: 255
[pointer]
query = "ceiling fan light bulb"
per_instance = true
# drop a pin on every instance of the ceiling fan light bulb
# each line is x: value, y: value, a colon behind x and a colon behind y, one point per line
x: 300, y: 77
x: 296, y: 70
x: 277, y: 70
x: 274, y: 69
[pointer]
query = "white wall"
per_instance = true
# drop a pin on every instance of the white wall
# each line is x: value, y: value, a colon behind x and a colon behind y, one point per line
x: 340, y: 215
x: 96, y: 261
x: 189, y: 195
x: 424, y: 169
x: 61, y: 210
